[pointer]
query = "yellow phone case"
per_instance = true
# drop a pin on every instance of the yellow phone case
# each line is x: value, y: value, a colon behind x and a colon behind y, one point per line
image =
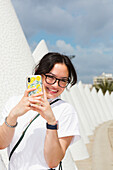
x: 34, y: 81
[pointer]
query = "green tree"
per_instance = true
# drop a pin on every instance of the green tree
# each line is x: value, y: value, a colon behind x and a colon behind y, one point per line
x: 104, y: 86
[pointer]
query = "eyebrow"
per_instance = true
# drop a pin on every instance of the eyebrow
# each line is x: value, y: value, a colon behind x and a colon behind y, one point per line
x: 56, y: 76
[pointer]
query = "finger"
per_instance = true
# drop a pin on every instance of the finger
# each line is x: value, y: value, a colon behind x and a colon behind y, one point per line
x: 37, y: 95
x: 36, y: 107
x: 28, y: 90
x: 44, y: 91
x: 31, y: 98
x: 35, y: 101
x: 28, y: 104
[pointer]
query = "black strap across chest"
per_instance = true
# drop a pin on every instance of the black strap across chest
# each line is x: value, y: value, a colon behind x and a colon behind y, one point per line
x: 21, y: 137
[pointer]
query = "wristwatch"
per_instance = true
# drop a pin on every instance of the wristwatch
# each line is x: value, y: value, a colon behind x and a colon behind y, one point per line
x: 52, y: 127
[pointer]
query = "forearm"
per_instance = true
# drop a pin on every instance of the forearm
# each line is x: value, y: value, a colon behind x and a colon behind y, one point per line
x: 6, y: 133
x: 52, y: 150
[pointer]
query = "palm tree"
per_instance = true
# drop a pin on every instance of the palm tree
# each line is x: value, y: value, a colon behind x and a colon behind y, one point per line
x: 104, y: 85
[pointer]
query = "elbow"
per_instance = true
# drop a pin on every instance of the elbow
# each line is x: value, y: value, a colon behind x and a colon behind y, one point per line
x: 53, y: 164
x: 2, y: 146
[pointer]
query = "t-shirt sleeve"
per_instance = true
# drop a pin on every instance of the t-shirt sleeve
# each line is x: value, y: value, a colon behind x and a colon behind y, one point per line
x: 68, y: 124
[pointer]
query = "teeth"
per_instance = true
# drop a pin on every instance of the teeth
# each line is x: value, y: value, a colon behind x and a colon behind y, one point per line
x: 53, y: 90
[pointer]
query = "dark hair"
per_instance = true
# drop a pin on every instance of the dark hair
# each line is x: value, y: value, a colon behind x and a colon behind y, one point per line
x: 50, y: 59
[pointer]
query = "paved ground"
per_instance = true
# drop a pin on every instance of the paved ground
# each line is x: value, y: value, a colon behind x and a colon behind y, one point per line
x: 100, y: 149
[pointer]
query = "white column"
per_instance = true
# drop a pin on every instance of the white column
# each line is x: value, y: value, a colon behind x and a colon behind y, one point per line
x: 92, y: 105
x: 98, y: 105
x: 79, y: 105
x: 109, y: 104
x: 87, y: 106
x: 106, y: 111
x: 66, y: 97
x: 40, y: 51
x: 78, y: 150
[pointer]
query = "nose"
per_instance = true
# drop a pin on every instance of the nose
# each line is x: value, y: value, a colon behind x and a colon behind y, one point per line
x: 56, y: 84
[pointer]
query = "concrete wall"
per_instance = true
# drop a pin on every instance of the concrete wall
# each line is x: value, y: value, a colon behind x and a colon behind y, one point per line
x: 16, y: 60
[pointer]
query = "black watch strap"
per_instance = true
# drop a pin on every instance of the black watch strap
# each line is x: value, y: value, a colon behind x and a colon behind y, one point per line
x: 52, y: 127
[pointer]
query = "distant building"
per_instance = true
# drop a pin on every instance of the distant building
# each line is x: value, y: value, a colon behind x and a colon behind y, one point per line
x: 102, y: 78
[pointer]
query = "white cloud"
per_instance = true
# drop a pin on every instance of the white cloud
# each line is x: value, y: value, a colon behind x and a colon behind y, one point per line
x: 63, y: 47
x: 88, y: 22
x: 88, y: 62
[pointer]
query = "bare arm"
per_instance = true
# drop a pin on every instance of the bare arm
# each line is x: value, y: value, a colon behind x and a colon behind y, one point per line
x: 54, y: 149
x: 7, y: 133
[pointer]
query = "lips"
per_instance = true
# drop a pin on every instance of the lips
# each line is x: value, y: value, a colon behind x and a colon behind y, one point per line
x: 52, y: 90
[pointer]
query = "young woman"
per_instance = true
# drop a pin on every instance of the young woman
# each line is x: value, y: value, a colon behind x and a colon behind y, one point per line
x: 47, y: 138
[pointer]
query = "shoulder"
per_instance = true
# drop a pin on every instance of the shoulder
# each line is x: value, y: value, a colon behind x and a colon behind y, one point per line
x: 63, y: 109
x: 65, y: 106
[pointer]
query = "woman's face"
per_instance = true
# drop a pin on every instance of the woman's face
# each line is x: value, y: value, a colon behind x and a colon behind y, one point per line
x: 59, y: 71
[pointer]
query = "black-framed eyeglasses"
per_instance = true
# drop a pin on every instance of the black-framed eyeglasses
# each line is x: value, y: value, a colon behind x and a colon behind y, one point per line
x: 51, y: 79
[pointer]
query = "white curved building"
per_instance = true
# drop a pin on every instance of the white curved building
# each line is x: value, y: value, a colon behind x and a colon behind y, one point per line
x: 16, y: 60
x: 40, y: 50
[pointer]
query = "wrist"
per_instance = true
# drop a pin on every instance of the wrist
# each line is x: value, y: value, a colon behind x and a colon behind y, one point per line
x: 12, y: 118
x: 10, y: 125
x: 51, y: 121
x: 52, y: 126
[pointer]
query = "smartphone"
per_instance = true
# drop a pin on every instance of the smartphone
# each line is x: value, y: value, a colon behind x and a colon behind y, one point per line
x: 34, y: 81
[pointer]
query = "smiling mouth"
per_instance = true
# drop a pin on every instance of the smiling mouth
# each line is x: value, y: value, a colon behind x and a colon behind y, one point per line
x: 51, y: 90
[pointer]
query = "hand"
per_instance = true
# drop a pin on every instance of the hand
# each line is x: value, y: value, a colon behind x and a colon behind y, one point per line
x: 23, y: 106
x: 42, y: 106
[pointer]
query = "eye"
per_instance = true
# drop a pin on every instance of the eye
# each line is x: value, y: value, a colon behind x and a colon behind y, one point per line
x: 64, y: 80
x: 50, y: 76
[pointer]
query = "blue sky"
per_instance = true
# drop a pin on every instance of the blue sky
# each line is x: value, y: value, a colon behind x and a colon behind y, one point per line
x: 75, y: 27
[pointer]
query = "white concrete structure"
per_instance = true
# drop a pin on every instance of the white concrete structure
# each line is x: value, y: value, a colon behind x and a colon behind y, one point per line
x: 109, y: 102
x: 87, y: 108
x: 106, y: 111
x: 92, y: 107
x: 16, y: 60
x: 40, y: 51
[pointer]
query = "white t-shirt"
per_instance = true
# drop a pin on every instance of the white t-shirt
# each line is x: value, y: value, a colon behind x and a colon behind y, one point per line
x: 29, y: 155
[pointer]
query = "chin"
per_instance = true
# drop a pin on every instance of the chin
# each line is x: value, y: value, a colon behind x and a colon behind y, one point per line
x: 49, y: 96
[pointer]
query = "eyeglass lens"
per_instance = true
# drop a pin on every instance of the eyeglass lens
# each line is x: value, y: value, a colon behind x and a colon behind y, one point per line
x: 51, y: 80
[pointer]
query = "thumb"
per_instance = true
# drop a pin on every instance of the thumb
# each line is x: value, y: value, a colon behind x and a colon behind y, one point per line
x: 44, y: 92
